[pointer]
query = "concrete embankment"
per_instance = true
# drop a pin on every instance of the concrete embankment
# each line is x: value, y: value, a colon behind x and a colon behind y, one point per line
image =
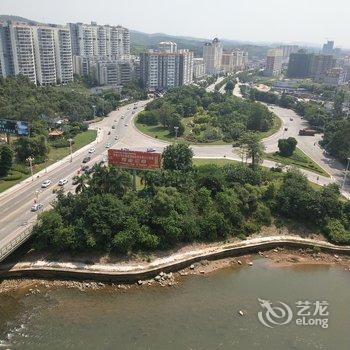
x: 133, y: 273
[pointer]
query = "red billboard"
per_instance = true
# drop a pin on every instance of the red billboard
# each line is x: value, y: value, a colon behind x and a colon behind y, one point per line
x: 134, y: 159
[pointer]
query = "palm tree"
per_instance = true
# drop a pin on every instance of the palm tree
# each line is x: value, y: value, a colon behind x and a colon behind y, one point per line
x: 81, y: 182
x: 110, y: 180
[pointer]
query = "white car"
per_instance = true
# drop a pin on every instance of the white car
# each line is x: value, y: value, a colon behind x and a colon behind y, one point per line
x: 92, y: 150
x: 62, y: 182
x: 36, y: 207
x: 104, y: 159
x: 116, y: 138
x: 151, y: 149
x: 108, y: 145
x: 46, y: 183
x: 129, y: 108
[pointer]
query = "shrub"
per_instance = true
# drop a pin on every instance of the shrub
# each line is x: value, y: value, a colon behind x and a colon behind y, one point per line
x: 336, y: 232
x: 21, y: 168
x: 13, y: 177
x: 61, y: 143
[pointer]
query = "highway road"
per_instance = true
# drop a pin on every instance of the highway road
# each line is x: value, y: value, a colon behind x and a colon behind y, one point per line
x: 211, y: 87
x: 15, y: 204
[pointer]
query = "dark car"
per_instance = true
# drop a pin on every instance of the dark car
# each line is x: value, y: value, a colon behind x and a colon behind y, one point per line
x: 85, y: 168
x: 86, y: 159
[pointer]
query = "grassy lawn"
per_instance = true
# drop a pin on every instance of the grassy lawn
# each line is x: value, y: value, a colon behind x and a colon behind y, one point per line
x: 299, y: 159
x: 54, y: 155
x: 219, y: 162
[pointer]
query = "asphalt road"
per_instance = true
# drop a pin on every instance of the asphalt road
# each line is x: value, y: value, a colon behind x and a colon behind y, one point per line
x: 15, y: 214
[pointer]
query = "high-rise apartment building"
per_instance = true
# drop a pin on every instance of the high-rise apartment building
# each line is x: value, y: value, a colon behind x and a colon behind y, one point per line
x: 100, y: 41
x: 321, y: 65
x: 198, y: 68
x: 167, y: 46
x: 234, y: 61
x: 186, y: 67
x: 212, y: 55
x: 300, y: 64
x: 40, y: 52
x: 328, y: 48
x: 273, y: 62
x: 287, y: 50
x: 163, y: 70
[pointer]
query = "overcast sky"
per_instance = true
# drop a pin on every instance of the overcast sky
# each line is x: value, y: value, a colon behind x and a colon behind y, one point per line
x: 311, y: 21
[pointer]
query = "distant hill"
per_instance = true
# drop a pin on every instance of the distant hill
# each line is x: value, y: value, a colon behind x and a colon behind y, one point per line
x: 5, y: 18
x: 141, y: 41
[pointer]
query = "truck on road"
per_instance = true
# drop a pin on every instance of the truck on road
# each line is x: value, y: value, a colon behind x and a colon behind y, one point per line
x: 307, y: 132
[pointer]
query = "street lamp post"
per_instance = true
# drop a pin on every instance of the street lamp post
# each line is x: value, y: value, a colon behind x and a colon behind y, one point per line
x: 70, y: 148
x: 46, y: 155
x: 30, y: 160
x: 346, y: 174
x: 176, y: 128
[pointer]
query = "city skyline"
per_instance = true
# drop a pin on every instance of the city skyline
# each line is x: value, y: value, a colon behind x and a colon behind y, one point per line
x: 253, y: 22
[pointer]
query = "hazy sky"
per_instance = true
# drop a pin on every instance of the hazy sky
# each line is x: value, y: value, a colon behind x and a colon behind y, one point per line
x: 311, y: 21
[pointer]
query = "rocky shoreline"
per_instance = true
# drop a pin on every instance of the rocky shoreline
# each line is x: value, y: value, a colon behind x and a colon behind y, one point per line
x: 275, y: 258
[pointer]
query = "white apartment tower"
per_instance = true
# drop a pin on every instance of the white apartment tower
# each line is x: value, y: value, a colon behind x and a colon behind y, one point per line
x: 98, y: 42
x: 21, y: 50
x: 64, y: 62
x: 198, y: 68
x: 212, y: 55
x: 163, y: 70
x: 167, y: 46
x: 45, y: 64
x: 40, y: 52
x: 186, y: 67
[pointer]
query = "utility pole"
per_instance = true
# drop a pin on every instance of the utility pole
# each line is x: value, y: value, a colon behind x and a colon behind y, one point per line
x: 70, y: 148
x: 30, y: 160
x: 346, y: 174
x: 94, y: 107
x: 176, y: 128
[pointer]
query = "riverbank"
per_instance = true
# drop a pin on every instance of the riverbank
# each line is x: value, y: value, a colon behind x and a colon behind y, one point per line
x: 164, y: 268
x: 275, y: 258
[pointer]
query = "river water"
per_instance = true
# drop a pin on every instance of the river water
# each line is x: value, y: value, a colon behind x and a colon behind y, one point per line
x: 200, y: 313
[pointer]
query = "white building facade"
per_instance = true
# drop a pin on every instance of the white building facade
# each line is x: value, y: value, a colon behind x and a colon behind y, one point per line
x: 42, y: 53
x: 212, y: 55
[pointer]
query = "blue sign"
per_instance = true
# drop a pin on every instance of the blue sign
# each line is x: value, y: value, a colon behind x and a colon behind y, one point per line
x: 17, y: 127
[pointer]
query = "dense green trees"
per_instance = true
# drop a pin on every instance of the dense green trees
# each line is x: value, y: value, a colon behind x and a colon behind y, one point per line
x: 189, y: 203
x: 230, y: 85
x: 31, y: 147
x: 251, y: 147
x: 20, y: 99
x: 215, y: 116
x: 287, y: 146
x: 177, y: 157
x: 6, y: 159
